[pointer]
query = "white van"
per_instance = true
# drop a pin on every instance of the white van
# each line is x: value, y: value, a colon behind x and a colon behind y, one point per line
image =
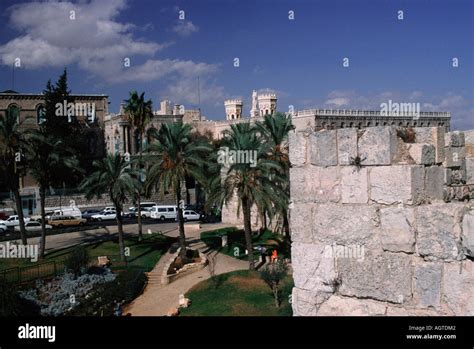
x: 68, y: 211
x: 164, y: 212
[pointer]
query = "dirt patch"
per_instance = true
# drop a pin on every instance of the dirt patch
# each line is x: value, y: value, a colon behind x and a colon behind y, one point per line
x: 246, y: 282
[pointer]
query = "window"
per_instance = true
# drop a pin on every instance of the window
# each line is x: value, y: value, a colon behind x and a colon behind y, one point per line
x: 171, y: 209
x: 162, y: 210
x: 15, y: 110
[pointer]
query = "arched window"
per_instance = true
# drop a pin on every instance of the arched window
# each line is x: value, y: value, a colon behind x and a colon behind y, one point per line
x: 40, y: 114
x: 15, y: 110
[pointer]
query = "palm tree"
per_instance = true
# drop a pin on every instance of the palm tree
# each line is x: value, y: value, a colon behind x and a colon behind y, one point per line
x: 44, y: 155
x: 115, y: 176
x: 252, y: 183
x: 12, y: 146
x: 173, y: 156
x: 140, y: 113
x: 275, y: 130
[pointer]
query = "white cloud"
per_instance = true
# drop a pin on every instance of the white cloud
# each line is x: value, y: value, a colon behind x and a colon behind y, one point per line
x: 185, y: 28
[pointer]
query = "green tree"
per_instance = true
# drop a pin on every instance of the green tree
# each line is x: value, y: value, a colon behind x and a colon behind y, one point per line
x: 275, y: 130
x: 45, y: 156
x: 116, y: 177
x: 252, y: 183
x: 12, y: 148
x: 173, y: 156
x: 273, y: 274
x: 140, y: 113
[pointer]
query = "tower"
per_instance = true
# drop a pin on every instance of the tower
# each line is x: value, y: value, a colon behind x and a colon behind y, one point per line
x: 267, y: 104
x: 254, y: 111
x: 233, y: 109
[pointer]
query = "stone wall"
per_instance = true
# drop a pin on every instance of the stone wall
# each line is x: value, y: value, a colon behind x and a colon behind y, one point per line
x: 377, y: 224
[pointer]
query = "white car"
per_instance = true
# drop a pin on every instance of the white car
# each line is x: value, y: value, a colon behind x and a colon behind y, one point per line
x: 13, y: 221
x: 145, y: 212
x: 3, y: 228
x: 104, y: 216
x: 109, y: 209
x: 190, y: 215
x: 163, y: 212
x: 33, y: 226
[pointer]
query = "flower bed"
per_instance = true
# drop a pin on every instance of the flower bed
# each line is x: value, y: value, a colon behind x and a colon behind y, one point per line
x: 177, y: 266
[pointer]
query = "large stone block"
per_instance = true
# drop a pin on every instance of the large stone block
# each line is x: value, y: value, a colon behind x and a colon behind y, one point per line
x: 306, y: 303
x: 298, y: 148
x: 397, y: 184
x: 354, y: 186
x: 469, y: 137
x: 378, y: 145
x: 313, y: 267
x: 454, y: 139
x: 427, y: 285
x: 323, y: 150
x: 458, y: 282
x: 422, y: 153
x: 303, y: 183
x: 328, y: 189
x: 343, y: 306
x: 434, y: 182
x: 301, y: 218
x: 385, y: 276
x: 397, y: 229
x: 346, y: 145
x: 468, y: 233
x: 345, y: 224
x: 439, y: 228
x: 434, y: 136
x: 469, y: 170
x: 454, y: 156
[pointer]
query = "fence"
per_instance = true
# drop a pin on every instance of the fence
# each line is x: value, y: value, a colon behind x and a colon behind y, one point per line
x: 21, y: 275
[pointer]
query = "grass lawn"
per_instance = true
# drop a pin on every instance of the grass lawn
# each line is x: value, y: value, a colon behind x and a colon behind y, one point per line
x: 239, y: 293
x: 236, y: 242
x: 143, y: 255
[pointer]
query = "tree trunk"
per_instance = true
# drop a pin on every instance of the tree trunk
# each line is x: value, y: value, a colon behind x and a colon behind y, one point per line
x: 248, y: 232
x: 19, y: 210
x: 286, y: 225
x: 42, y: 191
x: 182, y: 236
x: 118, y: 210
x: 139, y: 216
x: 275, y: 294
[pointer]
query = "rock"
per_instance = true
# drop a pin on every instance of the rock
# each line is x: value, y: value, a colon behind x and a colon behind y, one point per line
x: 382, y: 276
x: 306, y: 303
x: 438, y: 227
x: 298, y: 148
x: 434, y: 182
x: 434, y: 136
x: 458, y: 280
x: 469, y: 137
x: 315, y: 184
x: 469, y: 170
x: 173, y: 312
x: 184, y: 302
x: 397, y: 184
x: 343, y: 306
x: 422, y: 153
x: 454, y: 139
x: 454, y: 157
x: 427, y: 285
x: 323, y: 151
x: 301, y: 220
x: 397, y: 229
x: 378, y: 145
x: 346, y: 145
x: 354, y: 186
x: 468, y: 233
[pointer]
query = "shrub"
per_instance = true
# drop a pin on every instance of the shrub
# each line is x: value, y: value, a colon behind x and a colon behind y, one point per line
x: 77, y: 260
x: 272, y: 274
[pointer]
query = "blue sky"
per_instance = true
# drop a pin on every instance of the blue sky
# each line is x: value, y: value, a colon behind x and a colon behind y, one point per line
x: 407, y: 60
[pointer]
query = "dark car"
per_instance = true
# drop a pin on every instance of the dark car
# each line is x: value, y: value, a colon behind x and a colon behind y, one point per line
x: 87, y: 214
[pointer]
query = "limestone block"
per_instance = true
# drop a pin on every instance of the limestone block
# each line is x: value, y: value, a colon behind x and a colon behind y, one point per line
x: 345, y: 224
x: 306, y: 303
x: 397, y: 184
x: 301, y: 215
x: 323, y: 151
x: 329, y: 186
x: 439, y: 228
x: 469, y: 170
x: 458, y: 280
x: 434, y: 182
x: 303, y: 183
x: 468, y: 233
x: 454, y: 139
x: 434, y: 136
x: 469, y: 137
x: 401, y: 311
x: 447, y: 176
x: 422, y: 153
x: 385, y: 276
x: 378, y: 145
x: 469, y: 150
x: 298, y: 148
x: 427, y: 284
x: 454, y: 156
x: 354, y: 186
x: 397, y: 229
x: 313, y: 267
x: 343, y: 306
x: 346, y: 145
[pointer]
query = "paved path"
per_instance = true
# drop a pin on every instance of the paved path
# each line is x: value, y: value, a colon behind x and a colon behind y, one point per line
x: 157, y: 299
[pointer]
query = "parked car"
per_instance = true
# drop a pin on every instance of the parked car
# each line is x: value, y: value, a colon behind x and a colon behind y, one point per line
x: 189, y: 215
x: 66, y: 221
x: 33, y: 226
x: 68, y: 211
x: 13, y: 221
x: 108, y: 209
x: 163, y: 212
x: 87, y: 214
x: 146, y: 212
x: 104, y: 216
x: 3, y: 228
x: 37, y: 217
x: 132, y: 212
